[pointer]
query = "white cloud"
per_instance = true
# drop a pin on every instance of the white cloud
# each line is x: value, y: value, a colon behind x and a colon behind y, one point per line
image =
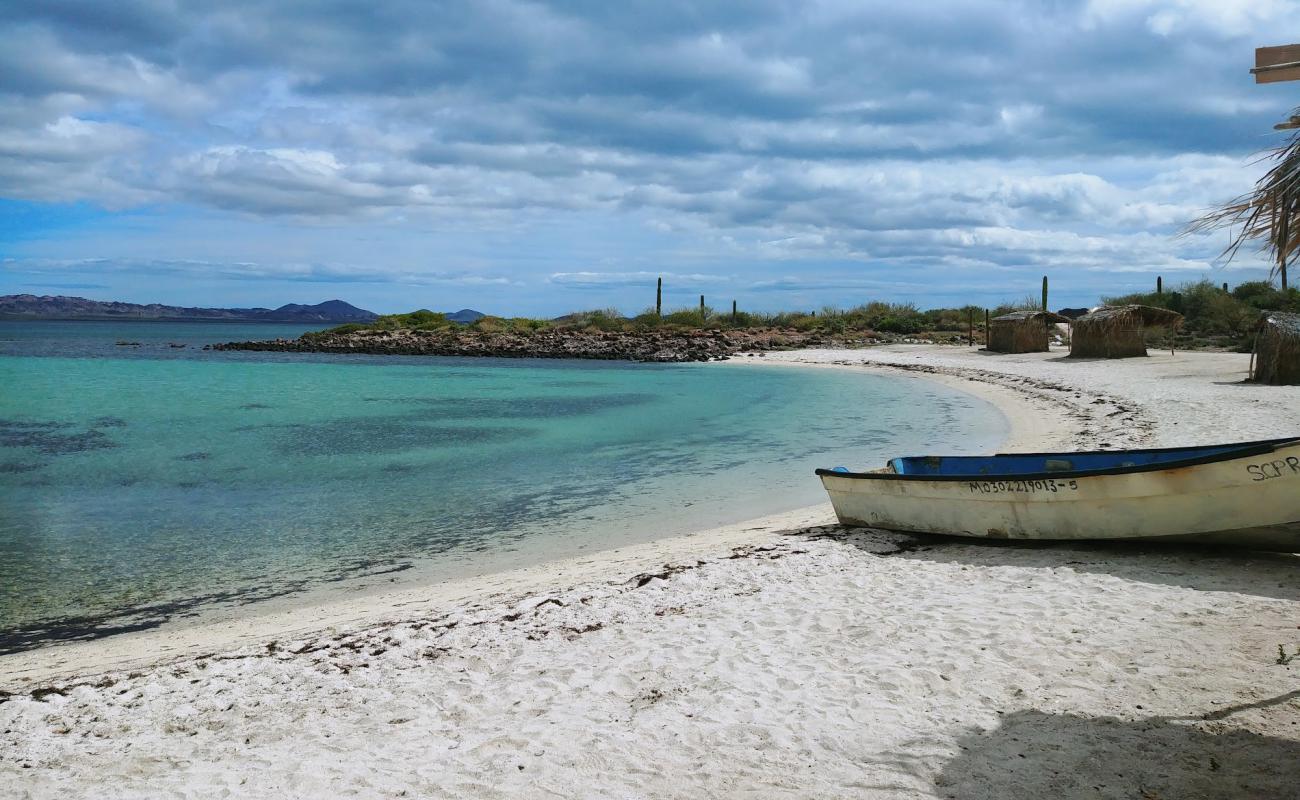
x: 727, y: 145
x: 1224, y: 18
x: 644, y: 278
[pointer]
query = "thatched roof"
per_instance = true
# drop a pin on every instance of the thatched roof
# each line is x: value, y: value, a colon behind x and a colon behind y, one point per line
x: 1115, y: 315
x: 1286, y: 323
x: 1276, y: 358
x: 1035, y: 313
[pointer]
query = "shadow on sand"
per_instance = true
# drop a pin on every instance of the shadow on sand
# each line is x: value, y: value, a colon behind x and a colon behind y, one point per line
x: 1273, y: 575
x: 1033, y: 754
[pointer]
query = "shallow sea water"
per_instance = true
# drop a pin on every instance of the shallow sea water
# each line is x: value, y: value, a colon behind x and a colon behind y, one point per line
x: 143, y: 482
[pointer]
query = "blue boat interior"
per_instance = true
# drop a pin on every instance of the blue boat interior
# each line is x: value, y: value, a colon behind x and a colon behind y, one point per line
x: 1039, y: 463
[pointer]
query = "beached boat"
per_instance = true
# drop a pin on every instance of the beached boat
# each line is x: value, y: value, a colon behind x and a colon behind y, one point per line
x: 1245, y: 495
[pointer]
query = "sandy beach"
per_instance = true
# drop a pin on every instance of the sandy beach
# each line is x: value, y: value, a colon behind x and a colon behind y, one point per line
x: 783, y: 657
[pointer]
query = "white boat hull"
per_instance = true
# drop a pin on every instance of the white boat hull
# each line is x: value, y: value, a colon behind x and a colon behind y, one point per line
x: 1252, y: 502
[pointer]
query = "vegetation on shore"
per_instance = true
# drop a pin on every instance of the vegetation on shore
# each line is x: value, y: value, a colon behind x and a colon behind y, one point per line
x: 1214, y: 318
x: 876, y: 317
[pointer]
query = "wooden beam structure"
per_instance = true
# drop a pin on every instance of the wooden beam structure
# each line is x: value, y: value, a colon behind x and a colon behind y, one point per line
x: 1275, y: 64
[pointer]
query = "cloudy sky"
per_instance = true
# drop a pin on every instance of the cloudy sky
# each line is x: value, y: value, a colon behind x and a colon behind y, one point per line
x: 535, y: 158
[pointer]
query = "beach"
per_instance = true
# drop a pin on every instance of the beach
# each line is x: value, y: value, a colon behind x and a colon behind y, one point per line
x: 782, y: 657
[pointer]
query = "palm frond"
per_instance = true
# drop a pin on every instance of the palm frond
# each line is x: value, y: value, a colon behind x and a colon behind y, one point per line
x: 1269, y: 214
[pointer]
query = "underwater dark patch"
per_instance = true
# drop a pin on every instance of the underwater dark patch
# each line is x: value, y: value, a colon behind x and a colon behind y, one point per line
x: 443, y: 408
x: 262, y: 427
x: 108, y: 422
x: 575, y: 384
x: 196, y: 456
x: 253, y: 406
x: 23, y: 425
x: 18, y: 467
x: 385, y: 435
x: 48, y: 438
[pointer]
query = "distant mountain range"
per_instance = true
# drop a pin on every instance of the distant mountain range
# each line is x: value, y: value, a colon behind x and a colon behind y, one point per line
x: 30, y: 306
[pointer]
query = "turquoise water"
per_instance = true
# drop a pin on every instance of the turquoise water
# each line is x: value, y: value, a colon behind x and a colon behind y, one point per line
x: 142, y: 483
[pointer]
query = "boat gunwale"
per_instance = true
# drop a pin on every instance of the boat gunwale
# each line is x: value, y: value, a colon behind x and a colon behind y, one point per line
x: 1242, y: 450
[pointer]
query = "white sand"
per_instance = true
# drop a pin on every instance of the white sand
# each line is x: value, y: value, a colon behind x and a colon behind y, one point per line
x: 769, y: 662
x: 1162, y: 400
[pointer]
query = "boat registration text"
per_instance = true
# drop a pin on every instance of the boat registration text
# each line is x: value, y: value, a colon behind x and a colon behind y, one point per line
x: 1032, y: 486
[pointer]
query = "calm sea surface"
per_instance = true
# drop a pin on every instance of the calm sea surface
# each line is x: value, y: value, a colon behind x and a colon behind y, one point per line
x: 143, y: 482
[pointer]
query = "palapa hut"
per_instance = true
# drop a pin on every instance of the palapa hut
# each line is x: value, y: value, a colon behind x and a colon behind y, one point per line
x: 1118, y: 331
x: 1276, y: 359
x: 1022, y: 331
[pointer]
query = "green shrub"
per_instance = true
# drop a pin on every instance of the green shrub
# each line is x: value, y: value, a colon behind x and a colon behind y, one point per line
x: 647, y: 320
x: 887, y: 317
x: 1211, y: 316
x: 351, y: 327
x: 687, y: 317
x: 748, y: 319
x: 805, y: 322
x: 422, y: 320
x: 527, y: 325
x: 490, y: 324
x: 607, y: 319
x: 1214, y: 311
x: 949, y: 319
x: 1264, y: 296
x: 896, y: 324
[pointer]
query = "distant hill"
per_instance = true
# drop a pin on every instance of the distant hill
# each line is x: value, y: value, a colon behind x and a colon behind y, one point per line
x: 328, y: 311
x: 30, y: 306
x: 466, y: 316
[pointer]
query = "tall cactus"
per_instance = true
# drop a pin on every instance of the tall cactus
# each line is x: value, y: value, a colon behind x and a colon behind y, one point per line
x: 1044, y: 292
x: 659, y: 298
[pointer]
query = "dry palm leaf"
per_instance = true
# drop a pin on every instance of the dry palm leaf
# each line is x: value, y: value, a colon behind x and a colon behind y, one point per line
x: 1269, y: 214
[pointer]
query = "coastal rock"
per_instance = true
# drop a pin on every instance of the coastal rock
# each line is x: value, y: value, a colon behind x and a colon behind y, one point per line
x: 651, y: 346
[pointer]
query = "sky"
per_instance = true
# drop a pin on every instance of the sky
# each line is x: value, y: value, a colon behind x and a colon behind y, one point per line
x: 533, y: 158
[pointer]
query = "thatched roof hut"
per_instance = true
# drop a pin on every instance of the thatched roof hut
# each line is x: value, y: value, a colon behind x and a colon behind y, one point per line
x: 1118, y: 331
x: 1022, y: 331
x: 1277, y: 349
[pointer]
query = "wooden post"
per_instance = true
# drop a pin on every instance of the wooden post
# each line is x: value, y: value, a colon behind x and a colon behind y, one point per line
x: 1044, y: 292
x: 1160, y: 285
x: 659, y: 298
x: 733, y: 312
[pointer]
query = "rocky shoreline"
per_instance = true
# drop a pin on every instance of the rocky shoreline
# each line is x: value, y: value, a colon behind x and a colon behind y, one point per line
x: 652, y: 346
